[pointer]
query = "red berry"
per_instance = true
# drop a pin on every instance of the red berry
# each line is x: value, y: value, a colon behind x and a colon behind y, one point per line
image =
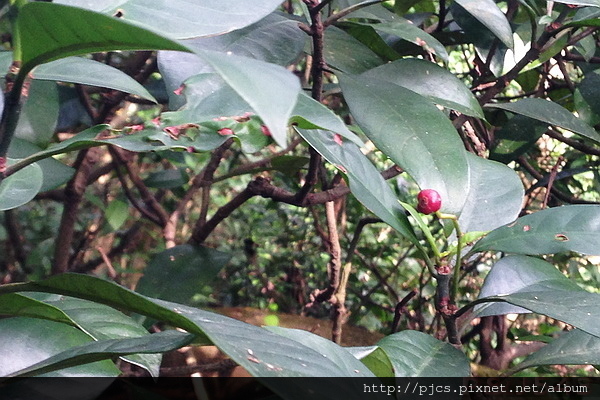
x: 225, y: 131
x: 429, y: 200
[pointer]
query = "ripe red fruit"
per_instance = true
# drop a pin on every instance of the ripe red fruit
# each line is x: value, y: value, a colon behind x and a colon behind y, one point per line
x: 429, y: 200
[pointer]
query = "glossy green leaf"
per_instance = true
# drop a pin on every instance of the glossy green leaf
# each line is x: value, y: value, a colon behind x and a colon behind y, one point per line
x: 401, y: 124
x: 310, y: 114
x: 494, y: 198
x: 375, y: 359
x: 416, y: 354
x: 20, y: 187
x: 205, y: 97
x: 45, y: 32
x: 550, y: 113
x: 269, y: 89
x: 55, y: 172
x: 106, y: 349
x: 491, y: 50
x: 274, y: 39
x: 260, y: 352
x: 430, y: 81
x: 102, y: 323
x: 48, y: 338
x: 406, y: 30
x: 553, y: 230
x: 177, y: 274
x: 374, y: 11
x: 208, y: 97
x: 334, y: 352
x: 488, y: 13
x: 575, y: 347
x: 16, y: 304
x: 149, y: 139
x: 368, y: 36
x: 184, y: 19
x: 534, y: 285
x: 89, y: 72
x: 39, y: 114
x: 345, y: 53
x: 366, y: 183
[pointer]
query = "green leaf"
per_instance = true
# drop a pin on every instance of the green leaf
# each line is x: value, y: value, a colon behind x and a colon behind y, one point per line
x: 494, y: 197
x: 368, y: 36
x: 207, y: 96
x: 45, y: 32
x: 491, y: 50
x: 102, y: 323
x: 260, y: 352
x: 184, y: 19
x: 48, y: 338
x: 177, y: 274
x: 488, y: 13
x: 406, y: 30
x: 39, y: 114
x: 345, y: 53
x: 575, y: 347
x: 106, y: 349
x: 366, y: 183
x: 89, y: 72
x: 553, y: 230
x: 55, y: 172
x: 430, y: 81
x: 533, y: 285
x: 588, y: 88
x: 310, y: 114
x: 375, y: 358
x: 274, y: 39
x: 116, y: 214
x: 401, y: 124
x: 416, y: 354
x: 334, y: 352
x: 20, y: 187
x: 24, y: 306
x: 591, y: 3
x: 551, y: 113
x: 269, y: 89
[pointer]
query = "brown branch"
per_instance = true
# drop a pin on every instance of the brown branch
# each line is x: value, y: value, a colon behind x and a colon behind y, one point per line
x: 574, y: 143
x: 158, y: 215
x: 400, y: 309
x: 133, y: 200
x: 559, y: 195
x: 335, y: 274
x: 15, y: 236
x: 202, y: 231
x: 74, y: 191
x: 128, y: 239
x: 201, y: 181
x: 551, y: 179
